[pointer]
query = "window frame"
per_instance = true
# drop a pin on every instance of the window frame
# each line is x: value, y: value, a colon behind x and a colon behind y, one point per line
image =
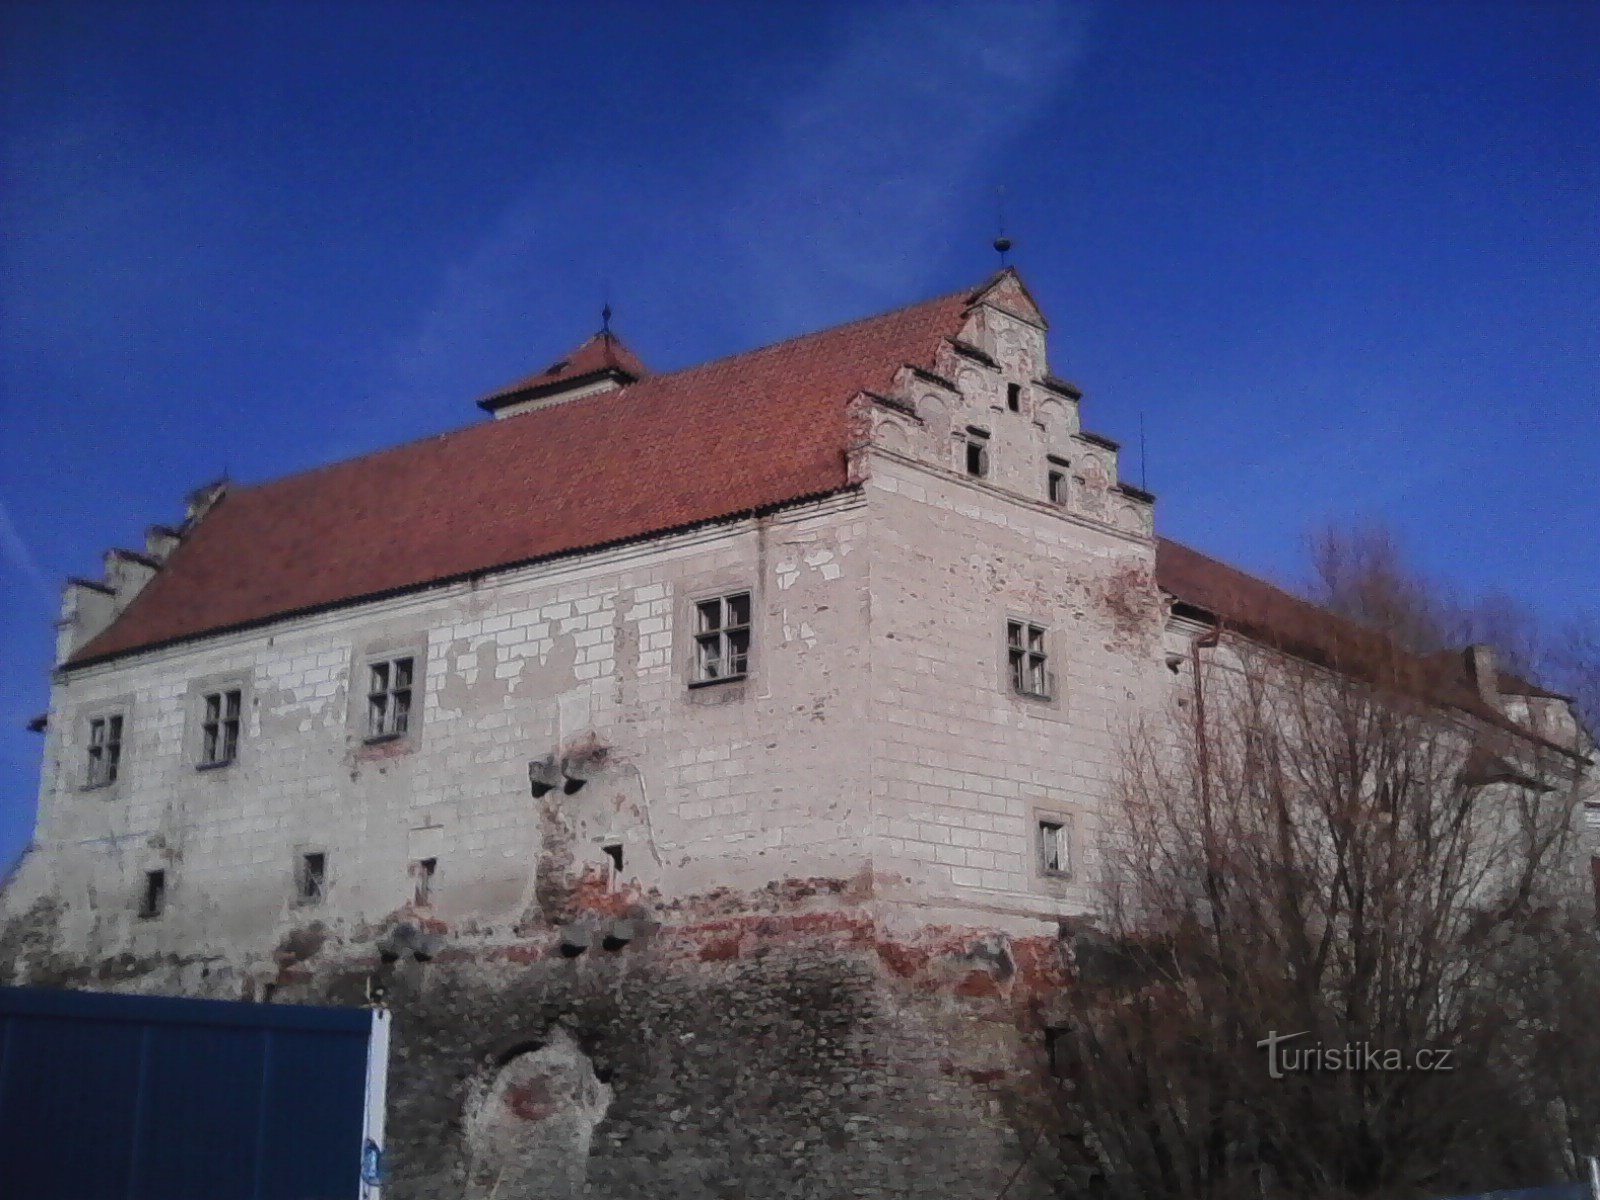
x: 364, y: 655
x: 976, y: 440
x: 1028, y: 647
x: 307, y: 894
x: 1057, y: 471
x: 724, y: 635
x: 220, y: 731
x: 111, y: 717
x: 393, y: 721
x: 1064, y: 825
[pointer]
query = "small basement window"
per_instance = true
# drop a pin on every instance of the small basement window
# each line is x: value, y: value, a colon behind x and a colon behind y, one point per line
x: 1014, y: 397
x: 311, y: 878
x: 154, y: 900
x: 722, y: 638
x: 389, y: 698
x: 977, y: 454
x: 105, y: 750
x: 1027, y: 660
x: 219, y: 728
x: 422, y: 872
x: 1054, y: 850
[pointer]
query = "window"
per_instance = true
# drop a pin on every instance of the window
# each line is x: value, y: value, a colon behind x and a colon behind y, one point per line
x: 1054, y: 850
x: 1027, y: 659
x: 422, y: 873
x: 1014, y: 397
x: 388, y: 698
x: 1058, y: 486
x: 154, y: 901
x: 722, y: 638
x: 105, y: 750
x: 311, y: 878
x: 219, y: 728
x: 977, y: 453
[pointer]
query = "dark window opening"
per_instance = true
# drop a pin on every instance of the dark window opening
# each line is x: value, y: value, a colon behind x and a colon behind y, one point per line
x: 722, y: 638
x: 1028, y: 661
x: 422, y: 873
x: 614, y: 852
x: 154, y: 901
x: 1058, y: 487
x: 219, y: 728
x: 388, y: 698
x: 1014, y: 397
x: 105, y: 750
x: 977, y: 454
x: 311, y: 882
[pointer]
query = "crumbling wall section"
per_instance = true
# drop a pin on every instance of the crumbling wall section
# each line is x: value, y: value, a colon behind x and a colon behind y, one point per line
x: 781, y: 1043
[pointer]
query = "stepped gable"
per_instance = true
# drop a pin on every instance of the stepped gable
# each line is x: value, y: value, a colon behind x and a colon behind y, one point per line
x: 743, y: 434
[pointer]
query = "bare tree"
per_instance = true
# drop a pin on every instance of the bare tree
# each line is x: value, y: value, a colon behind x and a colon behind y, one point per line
x: 1369, y: 873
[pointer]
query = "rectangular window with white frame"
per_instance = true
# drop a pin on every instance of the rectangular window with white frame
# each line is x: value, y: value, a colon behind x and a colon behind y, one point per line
x: 1027, y: 660
x: 220, y: 714
x: 722, y: 638
x: 104, y: 754
x: 389, y: 693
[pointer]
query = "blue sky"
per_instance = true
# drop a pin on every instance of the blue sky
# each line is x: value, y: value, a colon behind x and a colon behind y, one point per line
x: 1343, y: 260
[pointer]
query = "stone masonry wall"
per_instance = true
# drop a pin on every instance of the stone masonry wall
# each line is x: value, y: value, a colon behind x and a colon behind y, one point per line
x: 699, y: 787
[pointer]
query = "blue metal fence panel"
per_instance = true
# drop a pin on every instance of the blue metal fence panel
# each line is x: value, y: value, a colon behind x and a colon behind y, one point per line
x: 153, y: 1098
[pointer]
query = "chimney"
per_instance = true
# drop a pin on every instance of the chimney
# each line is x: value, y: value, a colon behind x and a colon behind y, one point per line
x: 1482, y: 670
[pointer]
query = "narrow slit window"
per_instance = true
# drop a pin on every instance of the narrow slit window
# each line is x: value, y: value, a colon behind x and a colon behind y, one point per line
x: 1054, y: 852
x: 105, y: 750
x: 722, y: 638
x: 389, y: 698
x: 219, y: 728
x: 1027, y: 659
x: 311, y: 882
x: 1014, y: 397
x: 154, y: 900
x: 977, y: 454
x: 614, y: 853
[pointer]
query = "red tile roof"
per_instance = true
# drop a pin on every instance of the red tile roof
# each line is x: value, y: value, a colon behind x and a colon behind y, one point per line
x: 1272, y: 616
x: 741, y: 434
x: 603, y: 354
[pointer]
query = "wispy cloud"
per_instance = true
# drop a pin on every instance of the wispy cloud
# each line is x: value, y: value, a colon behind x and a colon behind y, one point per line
x: 884, y: 154
x: 846, y: 200
x: 19, y: 556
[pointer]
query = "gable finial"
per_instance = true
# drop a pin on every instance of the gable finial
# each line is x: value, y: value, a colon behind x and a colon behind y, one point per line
x: 1002, y: 244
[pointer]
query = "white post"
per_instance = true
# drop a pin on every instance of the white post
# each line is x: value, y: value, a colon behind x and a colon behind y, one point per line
x: 372, y: 1145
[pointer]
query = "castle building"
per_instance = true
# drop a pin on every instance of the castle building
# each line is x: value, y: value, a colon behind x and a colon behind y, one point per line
x: 702, y: 764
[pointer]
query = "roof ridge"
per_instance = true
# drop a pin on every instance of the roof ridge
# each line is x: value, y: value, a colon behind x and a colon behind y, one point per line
x: 655, y: 377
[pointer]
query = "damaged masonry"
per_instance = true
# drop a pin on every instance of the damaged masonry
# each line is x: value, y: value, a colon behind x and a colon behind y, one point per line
x: 709, y: 835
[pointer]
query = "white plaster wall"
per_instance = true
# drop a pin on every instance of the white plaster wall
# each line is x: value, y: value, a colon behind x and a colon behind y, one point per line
x: 734, y: 785
x: 962, y: 766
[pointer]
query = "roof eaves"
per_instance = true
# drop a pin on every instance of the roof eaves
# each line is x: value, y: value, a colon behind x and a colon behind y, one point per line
x: 77, y: 662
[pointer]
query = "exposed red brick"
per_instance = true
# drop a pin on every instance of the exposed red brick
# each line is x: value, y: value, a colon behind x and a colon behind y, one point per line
x: 720, y: 949
x: 904, y: 961
x: 978, y: 985
x: 531, y: 1101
